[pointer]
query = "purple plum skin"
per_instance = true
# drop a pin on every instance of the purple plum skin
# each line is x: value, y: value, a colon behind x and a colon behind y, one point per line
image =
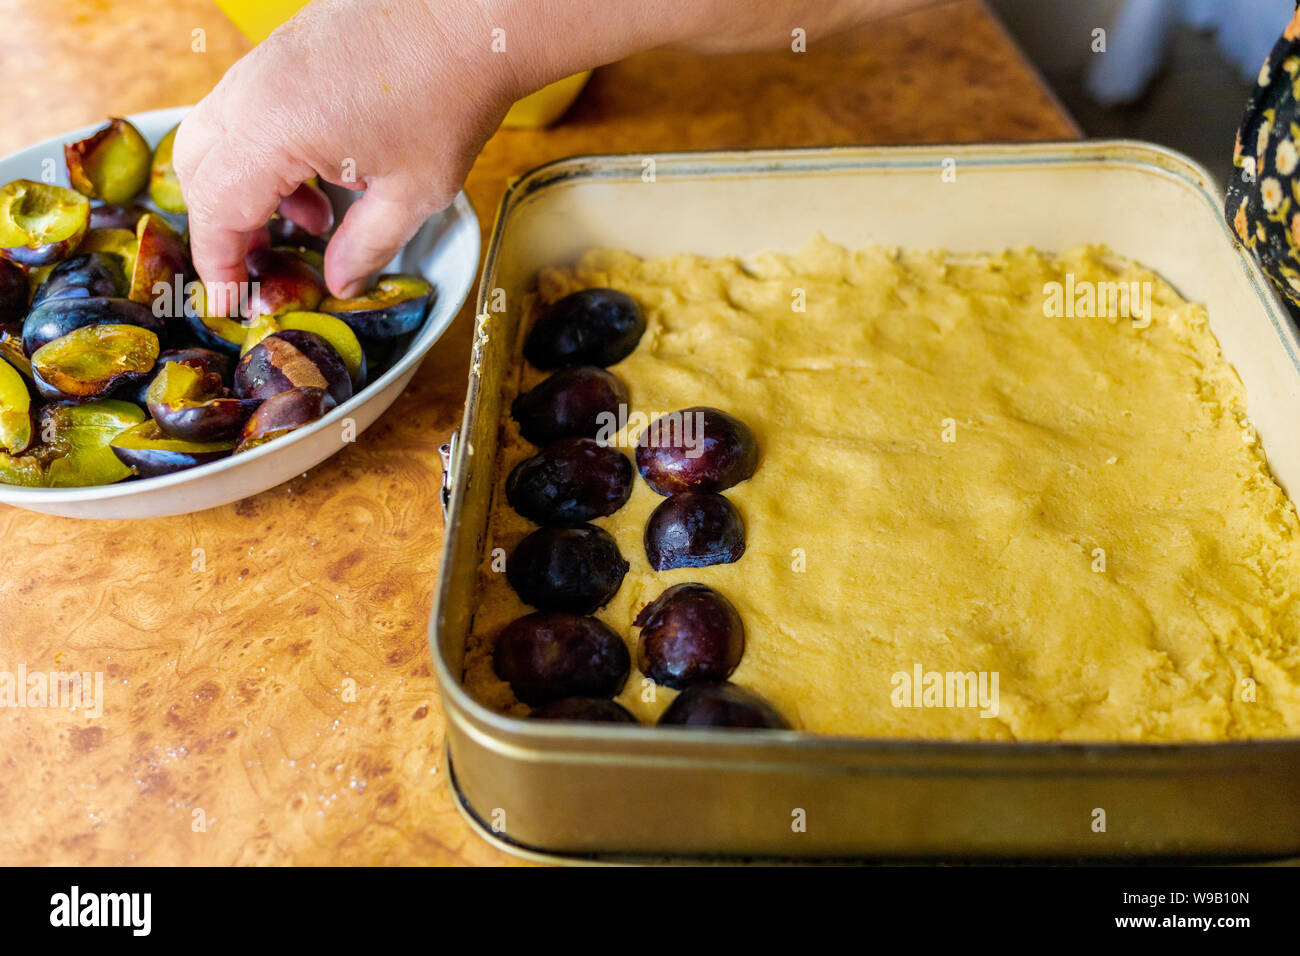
x: 548, y: 656
x: 566, y: 569
x: 722, y: 705
x: 696, y: 449
x: 589, y: 709
x: 569, y: 482
x: 590, y: 327
x: 569, y: 403
x: 694, y: 529
x: 690, y: 634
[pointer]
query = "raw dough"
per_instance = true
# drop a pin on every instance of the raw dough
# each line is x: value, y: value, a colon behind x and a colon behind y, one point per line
x: 1101, y: 530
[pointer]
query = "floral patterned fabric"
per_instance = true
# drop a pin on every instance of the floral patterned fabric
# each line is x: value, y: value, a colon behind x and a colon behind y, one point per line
x: 1263, y: 206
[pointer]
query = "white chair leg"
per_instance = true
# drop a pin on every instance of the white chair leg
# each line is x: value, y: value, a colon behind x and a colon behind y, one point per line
x: 1136, y: 45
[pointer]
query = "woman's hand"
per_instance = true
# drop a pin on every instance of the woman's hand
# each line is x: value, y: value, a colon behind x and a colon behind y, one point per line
x: 395, y: 98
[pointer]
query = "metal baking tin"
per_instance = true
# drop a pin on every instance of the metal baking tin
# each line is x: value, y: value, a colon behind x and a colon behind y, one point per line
x: 572, y: 791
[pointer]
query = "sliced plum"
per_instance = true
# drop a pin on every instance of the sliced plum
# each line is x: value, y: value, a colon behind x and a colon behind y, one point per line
x: 57, y: 317
x: 578, y: 402
x: 111, y: 164
x: 89, y: 362
x: 570, y: 482
x: 722, y: 705
x: 549, y: 656
x: 697, y: 448
x: 589, y: 327
x: 694, y: 529
x: 690, y: 634
x: 289, y: 359
x: 397, y: 304
x: 282, y: 413
x: 41, y: 223
x: 566, y: 569
x: 149, y: 451
x: 164, y: 185
x: 195, y: 406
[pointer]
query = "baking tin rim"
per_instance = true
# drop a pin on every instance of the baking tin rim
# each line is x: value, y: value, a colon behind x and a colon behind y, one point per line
x: 476, y: 719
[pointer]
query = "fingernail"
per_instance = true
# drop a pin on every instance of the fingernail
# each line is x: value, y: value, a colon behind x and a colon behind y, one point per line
x: 216, y: 299
x: 210, y: 303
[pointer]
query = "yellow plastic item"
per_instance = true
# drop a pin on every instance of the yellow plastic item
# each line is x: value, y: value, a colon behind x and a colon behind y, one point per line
x: 546, y: 105
x: 257, y: 18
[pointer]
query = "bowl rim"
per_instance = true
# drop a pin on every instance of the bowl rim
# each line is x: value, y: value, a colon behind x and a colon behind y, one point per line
x: 430, y: 332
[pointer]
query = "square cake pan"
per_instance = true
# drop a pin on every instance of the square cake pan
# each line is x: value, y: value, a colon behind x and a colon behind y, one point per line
x: 572, y: 791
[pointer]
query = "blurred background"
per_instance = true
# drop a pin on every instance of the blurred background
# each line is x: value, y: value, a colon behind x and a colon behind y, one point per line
x: 1176, y: 72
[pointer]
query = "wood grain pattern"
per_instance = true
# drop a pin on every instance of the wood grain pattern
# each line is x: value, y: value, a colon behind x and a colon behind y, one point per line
x: 226, y: 688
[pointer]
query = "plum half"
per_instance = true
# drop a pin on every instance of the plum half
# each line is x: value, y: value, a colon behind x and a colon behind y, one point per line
x: 81, y: 436
x: 334, y: 331
x: 86, y: 275
x: 16, y: 422
x: 550, y: 656
x: 201, y: 359
x: 164, y: 186
x: 74, y: 450
x: 111, y: 164
x: 397, y: 304
x: 569, y: 482
x: 690, y: 634
x: 282, y: 281
x: 41, y: 223
x: 193, y: 405
x: 149, y: 451
x: 91, y: 361
x: 722, y: 705
x: 694, y: 529
x: 283, y: 413
x: 574, y: 402
x: 697, y: 448
x: 566, y: 569
x: 292, y: 358
x: 590, y: 709
x: 589, y: 327
x: 55, y: 318
x: 160, y: 260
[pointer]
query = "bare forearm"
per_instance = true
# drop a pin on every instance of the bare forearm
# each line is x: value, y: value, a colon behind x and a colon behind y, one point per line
x: 553, y: 38
x: 396, y: 97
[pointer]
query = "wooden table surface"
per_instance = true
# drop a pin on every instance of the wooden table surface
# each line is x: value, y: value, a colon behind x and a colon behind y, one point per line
x: 229, y: 734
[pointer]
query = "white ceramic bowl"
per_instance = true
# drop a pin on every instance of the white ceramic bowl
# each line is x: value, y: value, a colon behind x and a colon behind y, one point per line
x: 445, y: 251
